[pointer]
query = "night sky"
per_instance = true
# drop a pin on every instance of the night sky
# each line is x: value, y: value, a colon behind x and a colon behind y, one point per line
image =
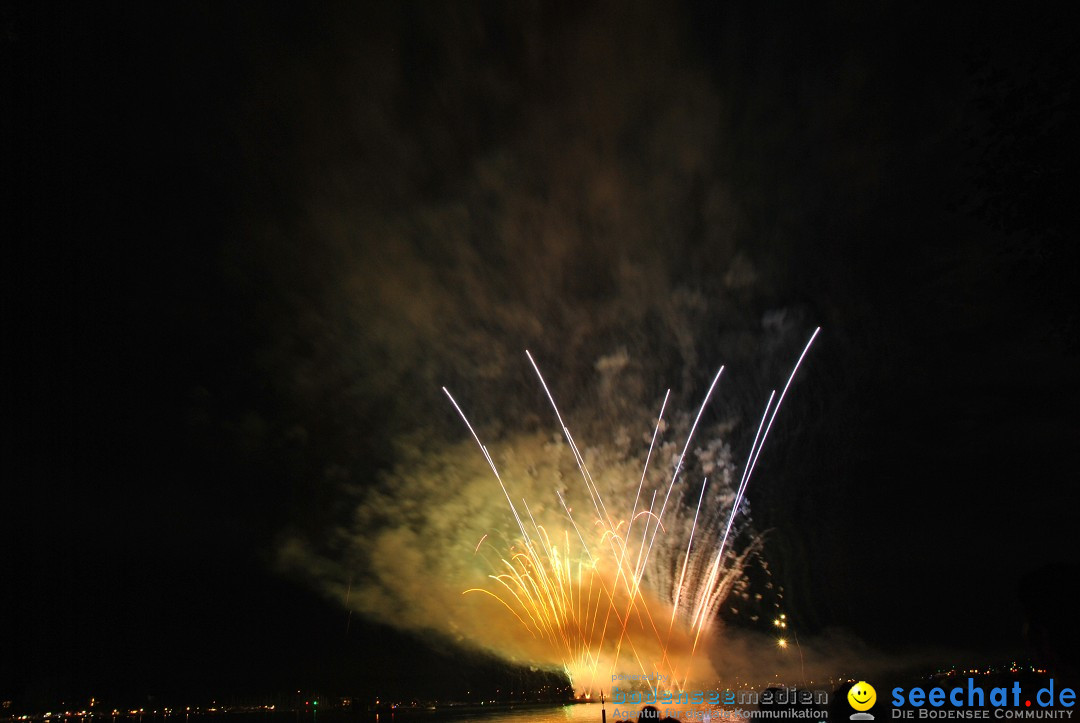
x: 245, y: 246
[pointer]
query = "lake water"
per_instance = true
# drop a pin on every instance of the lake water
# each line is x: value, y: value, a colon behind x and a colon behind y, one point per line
x: 584, y: 713
x: 579, y: 713
x: 576, y: 713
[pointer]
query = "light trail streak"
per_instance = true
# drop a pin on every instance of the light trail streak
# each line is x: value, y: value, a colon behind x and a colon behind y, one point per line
x: 577, y: 613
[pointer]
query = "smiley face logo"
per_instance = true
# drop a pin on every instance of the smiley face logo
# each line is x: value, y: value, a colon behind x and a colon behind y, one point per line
x: 862, y: 696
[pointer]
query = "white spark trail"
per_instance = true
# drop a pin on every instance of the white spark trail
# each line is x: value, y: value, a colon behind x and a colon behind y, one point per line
x: 686, y: 558
x: 748, y: 471
x: 682, y: 457
x: 645, y: 469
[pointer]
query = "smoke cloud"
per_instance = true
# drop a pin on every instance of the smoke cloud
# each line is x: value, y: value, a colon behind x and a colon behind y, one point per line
x: 444, y: 198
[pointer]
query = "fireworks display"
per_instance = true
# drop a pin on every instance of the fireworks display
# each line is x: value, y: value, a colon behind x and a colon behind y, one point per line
x: 633, y: 580
x: 588, y: 596
x: 273, y: 434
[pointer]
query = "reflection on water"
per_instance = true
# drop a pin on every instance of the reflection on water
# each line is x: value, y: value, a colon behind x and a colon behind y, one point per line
x: 585, y: 713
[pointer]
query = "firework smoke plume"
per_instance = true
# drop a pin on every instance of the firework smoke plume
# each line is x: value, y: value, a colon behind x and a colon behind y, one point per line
x: 578, y: 235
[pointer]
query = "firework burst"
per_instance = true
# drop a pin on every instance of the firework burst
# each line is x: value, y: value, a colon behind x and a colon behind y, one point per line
x: 633, y: 586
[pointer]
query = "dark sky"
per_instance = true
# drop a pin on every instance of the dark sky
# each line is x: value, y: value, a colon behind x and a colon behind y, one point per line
x: 246, y: 246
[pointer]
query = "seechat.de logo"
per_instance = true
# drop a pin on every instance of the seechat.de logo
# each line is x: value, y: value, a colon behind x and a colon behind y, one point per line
x: 969, y: 701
